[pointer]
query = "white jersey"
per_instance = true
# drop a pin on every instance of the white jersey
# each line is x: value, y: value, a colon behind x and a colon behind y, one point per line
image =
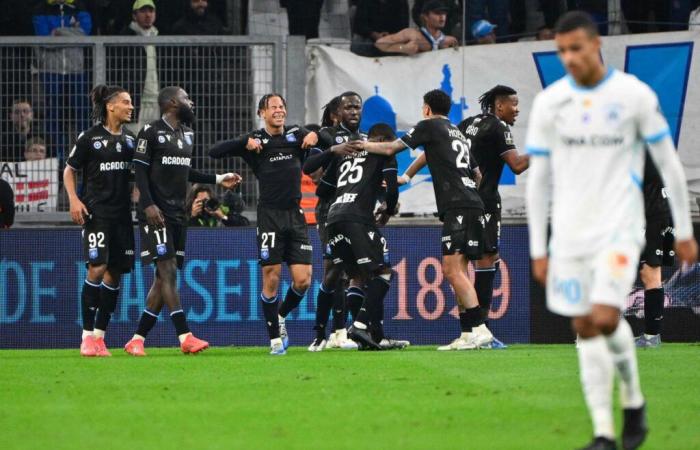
x: 594, y: 139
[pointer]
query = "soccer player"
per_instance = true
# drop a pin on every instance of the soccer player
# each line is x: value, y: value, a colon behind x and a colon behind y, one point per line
x: 103, y: 154
x: 353, y: 237
x: 658, y: 252
x: 586, y: 137
x: 275, y: 154
x: 455, y: 177
x: 163, y: 157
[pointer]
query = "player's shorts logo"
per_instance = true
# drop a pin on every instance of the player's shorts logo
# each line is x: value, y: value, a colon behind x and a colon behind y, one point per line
x: 328, y: 249
x: 97, y: 145
x: 161, y: 249
x: 264, y: 254
x: 92, y: 253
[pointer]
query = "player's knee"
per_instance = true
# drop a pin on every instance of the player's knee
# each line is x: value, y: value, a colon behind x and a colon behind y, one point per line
x: 97, y: 271
x: 301, y: 284
x: 111, y: 279
x: 271, y: 276
x: 452, y: 272
x: 650, y: 276
x: 584, y: 327
x: 605, y: 323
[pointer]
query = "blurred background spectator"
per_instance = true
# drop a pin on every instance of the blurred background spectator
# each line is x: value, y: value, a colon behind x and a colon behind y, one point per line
x: 375, y: 19
x: 35, y: 149
x: 15, y: 132
x: 7, y: 204
x: 198, y: 21
x: 62, y: 70
x: 492, y: 11
x: 484, y: 32
x: 303, y: 17
x: 452, y: 10
x: 236, y: 205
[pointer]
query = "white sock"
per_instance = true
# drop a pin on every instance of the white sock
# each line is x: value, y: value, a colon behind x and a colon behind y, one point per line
x: 98, y: 333
x: 621, y: 345
x: 597, y: 374
x: 280, y: 318
x: 87, y: 333
x: 138, y: 336
x: 183, y: 336
x: 359, y: 325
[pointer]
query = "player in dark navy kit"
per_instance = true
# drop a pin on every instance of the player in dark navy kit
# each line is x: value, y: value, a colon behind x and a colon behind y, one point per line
x: 103, y: 154
x: 460, y: 208
x: 275, y: 153
x: 162, y: 164
x: 658, y: 252
x: 355, y: 243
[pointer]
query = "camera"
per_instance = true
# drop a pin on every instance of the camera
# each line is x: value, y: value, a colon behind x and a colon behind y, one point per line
x: 212, y: 204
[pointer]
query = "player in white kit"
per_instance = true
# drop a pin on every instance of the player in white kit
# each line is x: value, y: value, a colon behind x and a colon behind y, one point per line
x: 586, y: 136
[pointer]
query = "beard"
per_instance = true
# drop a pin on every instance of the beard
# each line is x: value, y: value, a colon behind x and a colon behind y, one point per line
x: 185, y: 114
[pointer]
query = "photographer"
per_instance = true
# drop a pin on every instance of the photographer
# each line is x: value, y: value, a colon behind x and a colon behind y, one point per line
x: 205, y: 209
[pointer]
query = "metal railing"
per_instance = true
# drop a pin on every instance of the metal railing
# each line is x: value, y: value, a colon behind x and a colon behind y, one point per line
x: 45, y: 84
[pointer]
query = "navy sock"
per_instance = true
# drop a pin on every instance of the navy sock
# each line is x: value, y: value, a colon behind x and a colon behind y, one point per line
x: 270, y: 310
x: 376, y: 290
x: 324, y: 303
x: 108, y: 302
x: 483, y: 284
x: 291, y: 301
x: 473, y: 316
x: 340, y: 311
x: 146, y: 322
x: 653, y: 310
x: 89, y: 299
x: 464, y: 323
x: 180, y: 322
x: 354, y: 297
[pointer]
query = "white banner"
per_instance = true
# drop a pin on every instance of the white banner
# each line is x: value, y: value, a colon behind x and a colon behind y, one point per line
x: 392, y: 88
x: 35, y: 184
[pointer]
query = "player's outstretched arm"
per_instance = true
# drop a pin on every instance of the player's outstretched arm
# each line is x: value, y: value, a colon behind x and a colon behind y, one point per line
x: 232, y: 147
x: 380, y: 148
x: 518, y: 163
x: 413, y: 169
x: 323, y: 159
x: 227, y: 180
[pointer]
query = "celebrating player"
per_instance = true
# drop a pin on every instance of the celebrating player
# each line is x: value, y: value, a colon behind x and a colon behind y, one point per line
x: 103, y: 154
x: 163, y: 157
x: 275, y: 153
x: 658, y: 252
x: 459, y: 206
x: 586, y: 137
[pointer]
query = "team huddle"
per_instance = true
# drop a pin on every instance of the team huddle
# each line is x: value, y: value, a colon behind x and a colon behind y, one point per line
x: 588, y: 137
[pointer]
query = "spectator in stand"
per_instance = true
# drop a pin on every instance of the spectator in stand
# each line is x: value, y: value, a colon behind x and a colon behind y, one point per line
x: 14, y: 135
x: 429, y: 37
x: 483, y: 32
x: 62, y: 70
x: 375, y: 19
x: 453, y: 10
x: 198, y: 21
x: 303, y: 17
x: 236, y: 205
x: 145, y: 65
x: 35, y: 150
x: 205, y: 209
x: 7, y: 204
x: 494, y: 11
x: 544, y: 33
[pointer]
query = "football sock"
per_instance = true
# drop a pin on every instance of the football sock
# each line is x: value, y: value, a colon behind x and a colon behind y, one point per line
x: 473, y: 316
x: 464, y: 323
x: 340, y: 311
x: 597, y: 372
x: 270, y: 312
x: 291, y: 301
x: 377, y: 288
x: 483, y: 284
x: 653, y: 310
x: 377, y: 325
x: 355, y: 297
x: 180, y: 322
x: 146, y: 322
x: 108, y: 302
x: 324, y: 303
x: 624, y: 356
x: 89, y: 298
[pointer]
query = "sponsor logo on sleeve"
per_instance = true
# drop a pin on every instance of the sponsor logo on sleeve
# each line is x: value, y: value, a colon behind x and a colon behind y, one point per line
x: 143, y: 144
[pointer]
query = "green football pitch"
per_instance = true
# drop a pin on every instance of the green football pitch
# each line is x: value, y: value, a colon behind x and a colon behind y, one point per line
x: 525, y: 397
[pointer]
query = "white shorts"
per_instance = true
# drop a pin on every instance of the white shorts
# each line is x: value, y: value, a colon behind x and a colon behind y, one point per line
x: 603, y: 278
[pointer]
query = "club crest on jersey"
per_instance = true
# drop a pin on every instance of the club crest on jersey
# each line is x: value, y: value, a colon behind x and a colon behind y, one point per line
x: 257, y: 141
x: 291, y: 138
x: 142, y: 146
x: 161, y: 139
x: 97, y: 145
x: 179, y: 143
x: 118, y: 147
x: 188, y: 139
x: 92, y: 253
x: 129, y: 142
x: 339, y: 140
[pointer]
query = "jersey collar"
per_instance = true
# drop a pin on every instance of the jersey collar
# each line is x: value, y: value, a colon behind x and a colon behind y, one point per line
x: 578, y: 87
x: 166, y: 122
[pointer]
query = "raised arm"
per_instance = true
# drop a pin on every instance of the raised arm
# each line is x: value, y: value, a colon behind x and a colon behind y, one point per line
x: 380, y: 148
x: 232, y: 147
x: 413, y: 169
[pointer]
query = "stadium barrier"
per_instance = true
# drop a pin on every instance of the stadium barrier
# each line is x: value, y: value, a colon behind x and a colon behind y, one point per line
x: 42, y: 271
x: 224, y: 75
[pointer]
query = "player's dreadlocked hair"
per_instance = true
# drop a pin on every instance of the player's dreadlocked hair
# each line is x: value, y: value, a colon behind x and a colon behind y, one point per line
x: 329, y: 109
x: 488, y: 98
x: 100, y: 96
x: 262, y: 104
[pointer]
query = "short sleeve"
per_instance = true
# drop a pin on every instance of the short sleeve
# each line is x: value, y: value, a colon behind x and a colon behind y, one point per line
x: 144, y: 147
x: 79, y: 154
x: 418, y: 135
x: 653, y: 126
x: 538, y: 141
x: 503, y: 138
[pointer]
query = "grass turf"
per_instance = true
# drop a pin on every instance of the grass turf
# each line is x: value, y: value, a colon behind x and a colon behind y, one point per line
x: 526, y: 397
